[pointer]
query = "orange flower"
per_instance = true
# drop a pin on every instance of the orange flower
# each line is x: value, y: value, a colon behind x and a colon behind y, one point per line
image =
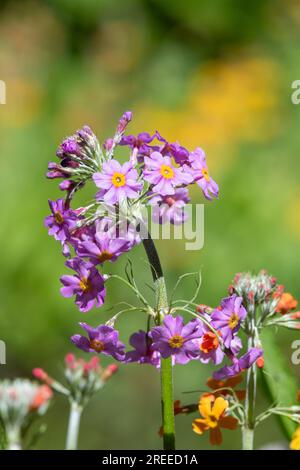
x: 43, y: 394
x: 213, y: 418
x: 227, y: 384
x: 286, y: 303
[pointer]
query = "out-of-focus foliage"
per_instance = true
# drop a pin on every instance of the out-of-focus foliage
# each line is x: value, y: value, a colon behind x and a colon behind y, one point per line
x: 280, y: 380
x: 215, y: 74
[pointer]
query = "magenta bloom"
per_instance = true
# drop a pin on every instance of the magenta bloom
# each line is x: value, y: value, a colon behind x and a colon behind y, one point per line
x: 143, y: 352
x: 170, y: 208
x: 102, y: 247
x: 199, y: 171
x: 79, y: 144
x: 117, y: 182
x: 138, y: 141
x: 61, y: 221
x: 69, y: 145
x: 238, y: 365
x: 87, y: 285
x: 163, y: 175
x: 103, y: 339
x: 173, y: 338
x: 228, y: 318
x: 179, y: 153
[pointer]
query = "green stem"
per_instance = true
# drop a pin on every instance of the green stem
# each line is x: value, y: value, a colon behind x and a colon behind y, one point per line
x: 13, y: 438
x: 166, y: 370
x: 248, y: 438
x: 248, y: 428
x: 73, y: 426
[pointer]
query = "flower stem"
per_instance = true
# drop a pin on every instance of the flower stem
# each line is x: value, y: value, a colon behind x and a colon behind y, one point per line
x: 248, y: 428
x: 166, y: 370
x: 248, y: 438
x: 13, y: 439
x: 73, y: 426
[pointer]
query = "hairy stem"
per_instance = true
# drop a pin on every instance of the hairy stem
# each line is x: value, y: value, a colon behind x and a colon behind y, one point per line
x: 166, y: 370
x: 73, y: 426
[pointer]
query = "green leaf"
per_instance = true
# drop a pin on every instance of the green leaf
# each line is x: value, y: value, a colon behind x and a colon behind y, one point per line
x: 278, y: 378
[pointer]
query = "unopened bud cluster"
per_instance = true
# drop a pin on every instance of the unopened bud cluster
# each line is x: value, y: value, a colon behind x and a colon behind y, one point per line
x: 84, y: 378
x: 21, y: 401
x: 266, y: 300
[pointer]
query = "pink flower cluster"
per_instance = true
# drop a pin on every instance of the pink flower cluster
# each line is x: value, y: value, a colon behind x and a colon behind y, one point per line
x: 211, y: 337
x: 157, y: 173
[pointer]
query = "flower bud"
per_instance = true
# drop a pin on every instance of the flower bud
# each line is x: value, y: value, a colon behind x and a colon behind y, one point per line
x: 124, y: 121
x: 41, y: 375
x: 109, y: 372
x: 260, y: 362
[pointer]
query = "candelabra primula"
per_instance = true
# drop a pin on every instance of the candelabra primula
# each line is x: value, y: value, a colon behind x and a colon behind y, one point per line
x: 265, y: 305
x: 21, y: 403
x: 156, y: 174
x: 84, y: 379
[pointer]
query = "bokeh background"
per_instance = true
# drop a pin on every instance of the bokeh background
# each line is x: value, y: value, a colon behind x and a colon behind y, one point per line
x: 215, y: 74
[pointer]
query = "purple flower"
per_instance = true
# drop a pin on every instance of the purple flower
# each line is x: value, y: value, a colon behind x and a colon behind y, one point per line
x: 58, y: 170
x: 199, y: 171
x: 228, y: 318
x: 102, y: 247
x: 117, y: 181
x: 139, y: 145
x: 170, y: 208
x: 173, y: 338
x: 103, y: 339
x: 79, y: 145
x: 87, y: 285
x: 73, y: 152
x: 66, y: 185
x: 62, y: 220
x: 70, y: 145
x: 137, y: 141
x: 164, y: 176
x: 179, y: 153
x: 238, y: 365
x: 143, y: 352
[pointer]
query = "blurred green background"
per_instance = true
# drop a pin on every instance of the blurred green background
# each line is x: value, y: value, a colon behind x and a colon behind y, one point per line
x: 215, y: 74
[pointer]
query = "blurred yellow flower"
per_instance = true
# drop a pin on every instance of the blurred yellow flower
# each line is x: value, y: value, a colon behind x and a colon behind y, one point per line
x: 228, y: 102
x: 24, y: 102
x: 295, y: 442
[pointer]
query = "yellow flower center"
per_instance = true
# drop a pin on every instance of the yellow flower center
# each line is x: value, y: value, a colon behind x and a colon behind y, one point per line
x: 233, y: 320
x: 85, y: 284
x: 118, y: 180
x: 97, y: 345
x: 212, y: 421
x: 105, y: 256
x: 167, y: 172
x: 176, y: 341
x: 58, y: 218
x: 205, y: 174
